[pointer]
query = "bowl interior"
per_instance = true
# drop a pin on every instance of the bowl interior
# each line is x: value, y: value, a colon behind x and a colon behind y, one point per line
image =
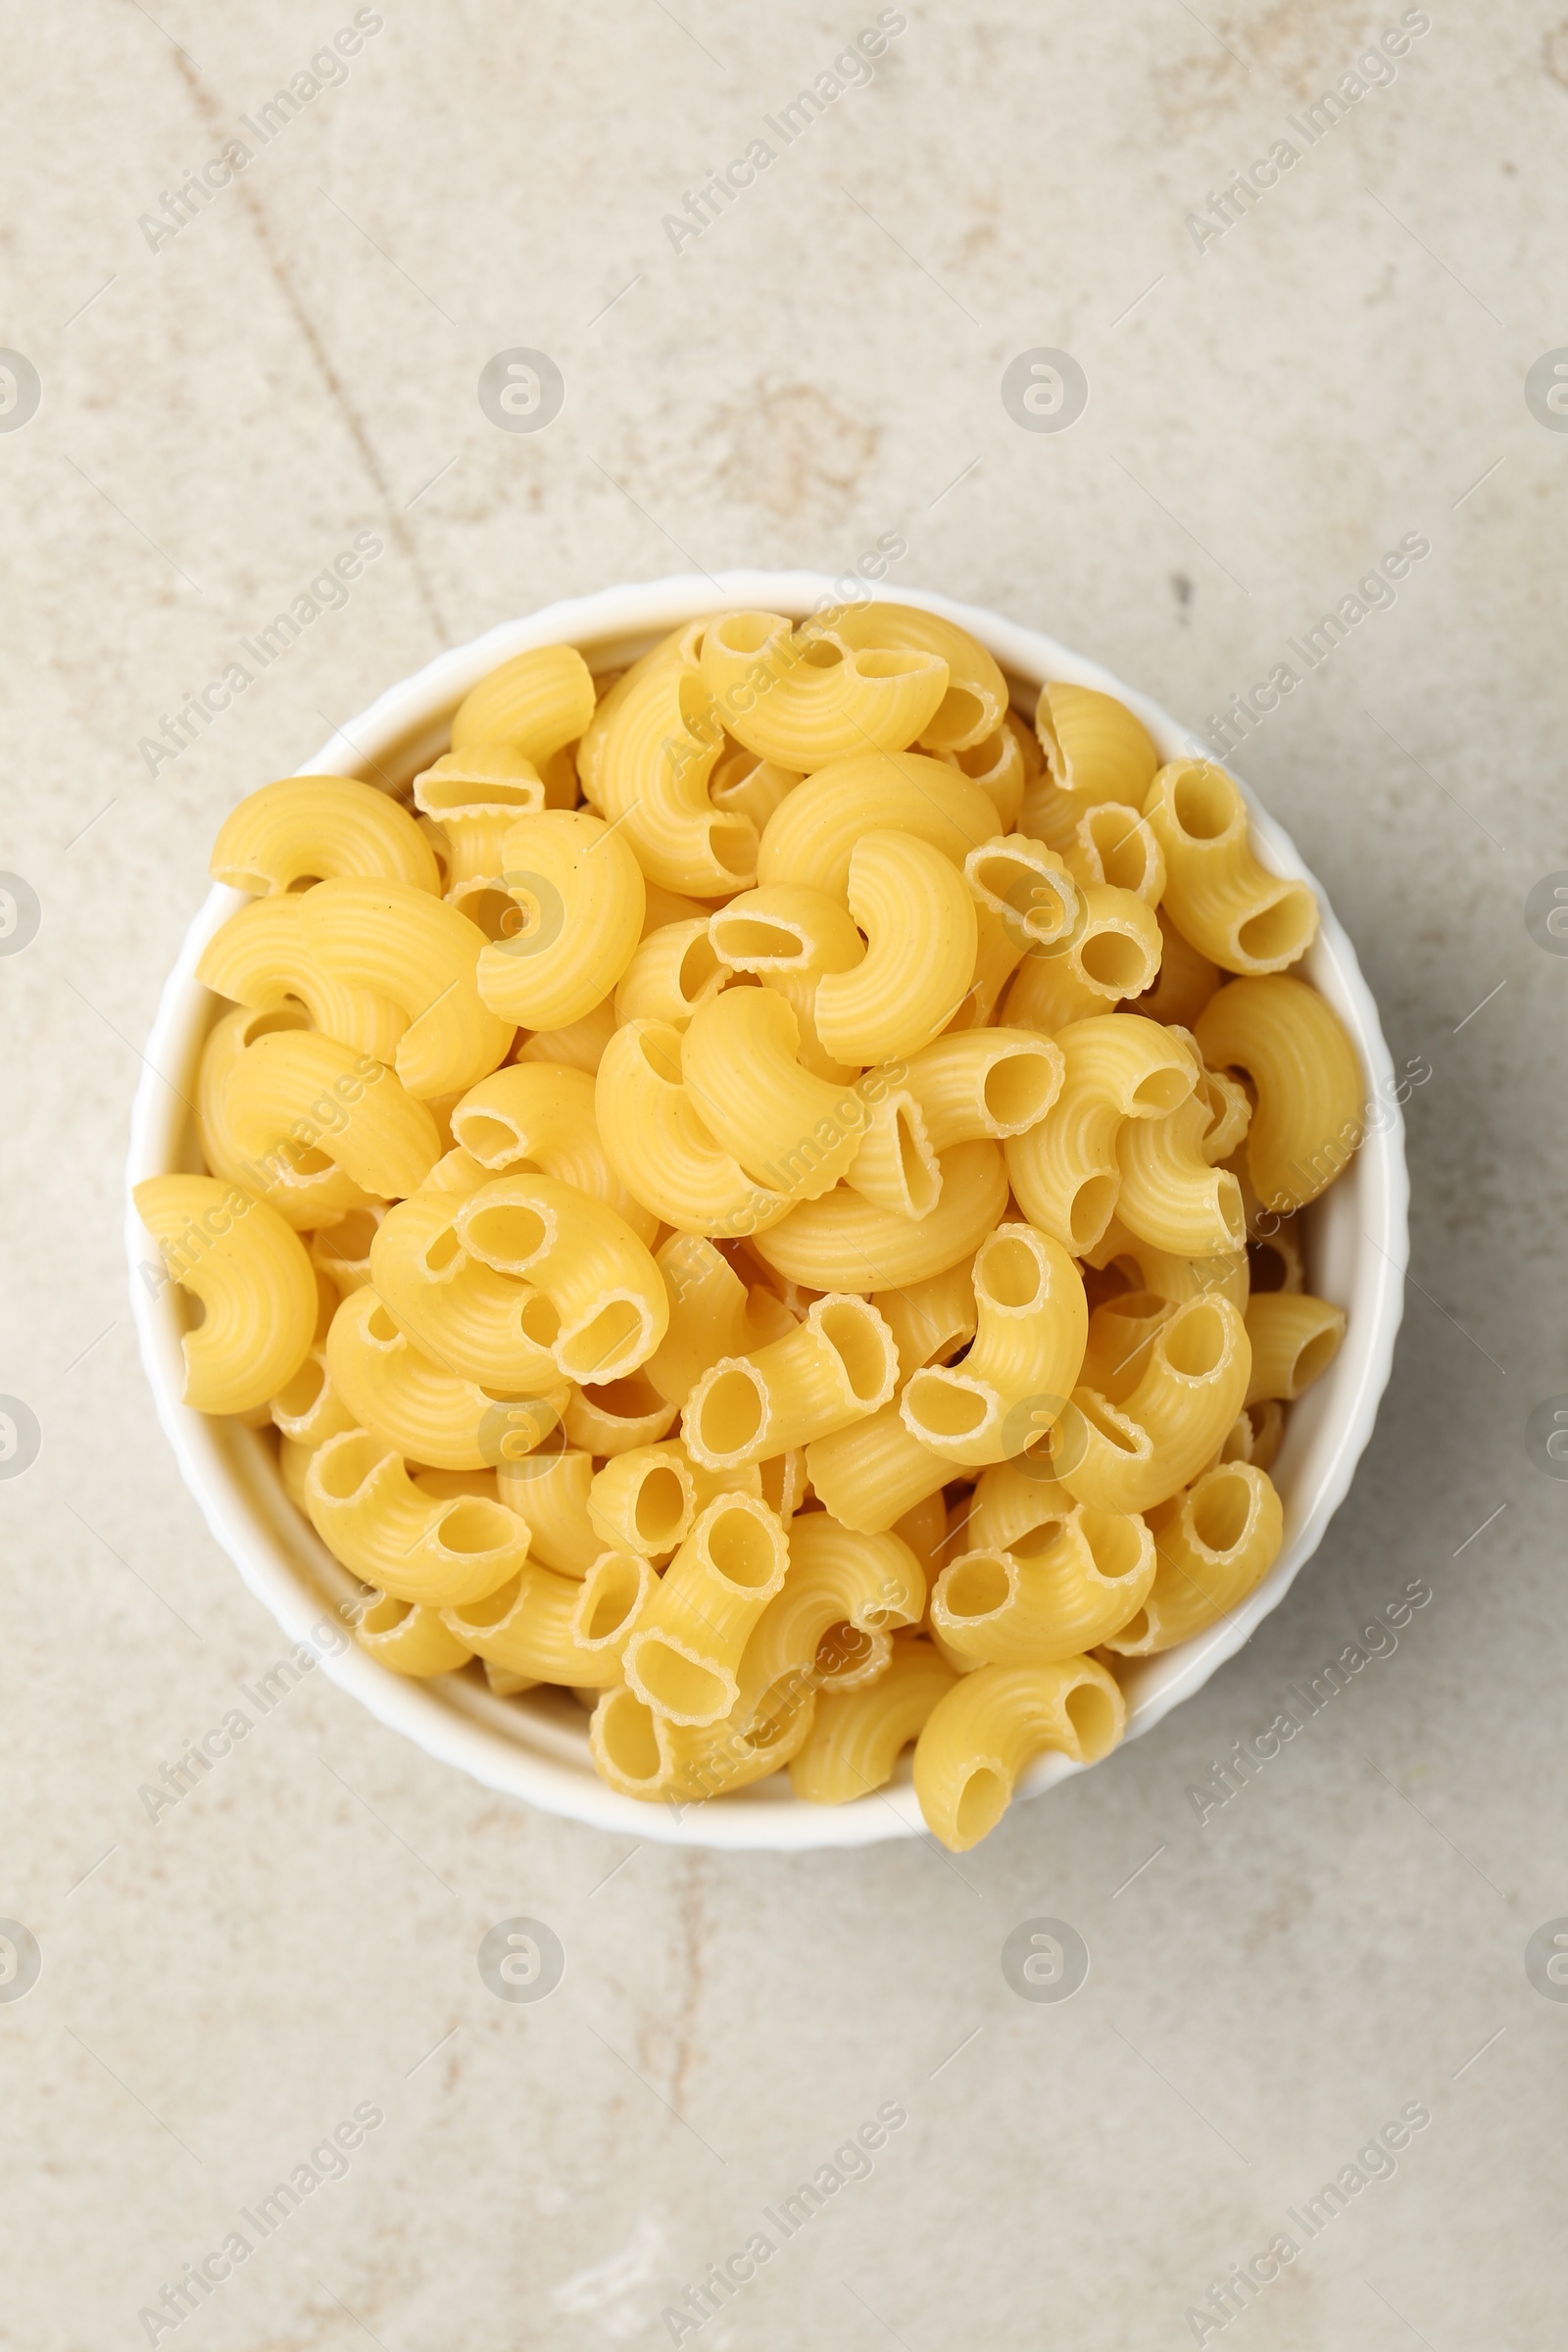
x: 536, y: 1746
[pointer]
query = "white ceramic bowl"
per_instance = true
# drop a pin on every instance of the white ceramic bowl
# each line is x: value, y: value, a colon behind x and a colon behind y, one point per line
x: 537, y: 1747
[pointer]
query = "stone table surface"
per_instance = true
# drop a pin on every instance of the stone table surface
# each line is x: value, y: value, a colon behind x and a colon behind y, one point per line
x: 1284, y: 384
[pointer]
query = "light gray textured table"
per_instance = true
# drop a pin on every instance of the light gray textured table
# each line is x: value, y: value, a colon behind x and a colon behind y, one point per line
x: 223, y: 408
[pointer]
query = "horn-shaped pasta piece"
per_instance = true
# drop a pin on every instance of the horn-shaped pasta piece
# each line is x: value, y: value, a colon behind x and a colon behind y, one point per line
x: 742, y: 785
x: 683, y: 1658
x: 870, y: 1584
x: 1095, y: 749
x: 410, y: 1637
x: 307, y: 1187
x: 613, y: 1417
x: 803, y: 697
x: 414, y: 1404
x: 1027, y: 887
x: 253, y: 1277
x: 1215, y: 1541
x: 790, y: 938
x: 580, y: 897
x: 645, y: 1755
x: 1033, y: 1321
x: 540, y: 1115
x: 1307, y: 1122
x: 1231, y: 908
x: 1065, y: 1171
x: 895, y: 1167
x: 981, y: 1735
x: 812, y: 839
x: 1129, y: 1457
x: 1015, y: 1508
x: 1000, y: 1608
x: 858, y: 1736
x: 315, y: 828
x: 259, y: 957
x: 869, y: 1474
x: 1113, y: 954
x: 711, y: 1313
x: 646, y: 763
x: 1121, y: 1333
x: 931, y: 1321
x: 398, y: 941
x: 549, y: 1489
x: 997, y: 765
x: 474, y: 797
x: 598, y: 1276
x: 412, y: 1546
x: 481, y: 1325
x: 840, y: 1365
x: 658, y: 1146
x: 672, y: 971
x: 1185, y: 982
x: 1168, y: 1275
x: 644, y: 1502
x: 294, y: 1088
x: 791, y: 1131
x: 534, y: 705
x: 309, y: 1407
x: 1114, y: 844
x: 581, y: 1044
x: 918, y: 918
x: 558, y: 1628
x: 973, y: 706
x: 984, y: 1083
x: 845, y: 1242
x: 1295, y: 1337
x: 998, y: 954
x: 1170, y: 1195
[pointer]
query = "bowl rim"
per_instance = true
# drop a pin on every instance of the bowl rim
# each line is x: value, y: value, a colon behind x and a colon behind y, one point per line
x: 241, y: 1498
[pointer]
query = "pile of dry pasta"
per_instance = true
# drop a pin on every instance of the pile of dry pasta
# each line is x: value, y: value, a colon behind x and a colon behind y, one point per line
x: 737, y: 1205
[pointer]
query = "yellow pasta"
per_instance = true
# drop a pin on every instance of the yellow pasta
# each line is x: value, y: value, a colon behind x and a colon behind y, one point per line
x: 1033, y: 1323
x: 534, y: 705
x: 1168, y: 1274
x: 308, y: 1189
x: 843, y: 1242
x: 979, y: 1737
x: 792, y: 1132
x: 711, y: 1313
x: 644, y: 1500
x: 260, y: 958
x: 1231, y: 908
x: 1095, y: 749
x: 682, y: 1660
x: 646, y: 762
x: 558, y: 1628
x: 579, y: 898
x: 974, y: 705
x: 1027, y: 887
x: 399, y: 943
x: 1004, y: 1608
x: 931, y: 1321
x: 254, y: 1280
x: 539, y: 1116
x: 1307, y: 1121
x: 414, y: 1404
x: 293, y: 1087
x: 1065, y: 1172
x: 857, y: 1736
x: 607, y: 1291
x: 315, y: 828
x: 1113, y: 844
x: 997, y: 765
x: 869, y: 1474
x: 1185, y: 982
x: 655, y: 1139
x: 474, y: 797
x: 579, y: 1044
x: 1215, y: 1543
x: 1170, y: 1195
x: 790, y: 938
x: 1113, y: 954
x: 805, y: 697
x: 919, y: 919
x: 615, y: 1416
x: 812, y: 839
x: 1293, y: 1340
x: 672, y: 971
x: 646, y: 1755
x: 410, y: 1637
x: 549, y: 1489
x: 838, y: 1367
x: 411, y: 1545
x: 837, y: 1579
x: 479, y: 1324
x: 1130, y: 1456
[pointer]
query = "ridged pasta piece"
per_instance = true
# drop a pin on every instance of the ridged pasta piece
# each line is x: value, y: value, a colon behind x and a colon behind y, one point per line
x: 1027, y: 887
x: 535, y: 703
x: 660, y: 1147
x: 644, y: 1502
x: 411, y: 1545
x: 1095, y: 749
x: 974, y: 705
x: 923, y: 1527
x: 988, y: 1727
x: 844, y: 1243
x: 539, y: 1116
x: 790, y: 938
x: 398, y: 941
x: 646, y: 762
x: 839, y: 1366
x: 1275, y: 1260
x: 598, y: 1276
x: 252, y: 1275
x: 919, y: 919
x: 931, y: 1321
x: 1185, y: 982
x: 294, y: 1088
x: 558, y: 1628
x: 1308, y: 1120
x: 1215, y: 1543
x: 480, y: 1324
x: 997, y: 953
x: 550, y: 1490
x: 895, y: 1167
x: 1113, y: 954
x: 410, y: 1637
x: 1167, y: 1273
x: 672, y: 971
x: 1033, y: 1323
x: 803, y: 697
x: 641, y: 1754
x: 306, y: 1189
x: 308, y: 1408
x: 682, y: 1661
x: 315, y: 828
x: 858, y: 1736
x: 1114, y: 844
x: 579, y: 1044
x: 791, y: 1131
x: 1121, y: 1333
x: 1129, y: 1457
x: 414, y: 1404
x: 260, y: 958
x: 812, y: 839
x: 1231, y: 908
x: 1065, y: 1171
x: 997, y: 1608
x: 580, y: 897
x: 1170, y: 1195
x: 711, y: 1313
x: 984, y: 1083
x: 836, y: 1577
x: 742, y: 785
x: 872, y: 1473
x: 996, y: 763
x: 474, y: 797
x: 1014, y: 1508
x: 1295, y: 1337
x: 613, y: 1417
